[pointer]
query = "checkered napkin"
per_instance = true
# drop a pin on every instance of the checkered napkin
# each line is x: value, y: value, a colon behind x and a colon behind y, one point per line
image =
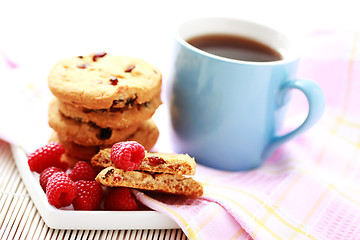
x: 310, y: 187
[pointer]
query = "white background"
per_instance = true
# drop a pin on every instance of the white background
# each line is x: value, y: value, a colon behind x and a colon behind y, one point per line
x: 36, y: 34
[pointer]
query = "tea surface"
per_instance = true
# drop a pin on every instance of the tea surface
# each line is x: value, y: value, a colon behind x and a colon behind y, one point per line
x: 235, y: 47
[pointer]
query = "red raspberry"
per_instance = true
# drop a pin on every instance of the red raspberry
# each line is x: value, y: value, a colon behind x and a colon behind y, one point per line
x: 46, y: 156
x: 60, y: 190
x: 127, y: 155
x: 46, y: 174
x: 89, y: 195
x: 82, y: 171
x: 120, y: 199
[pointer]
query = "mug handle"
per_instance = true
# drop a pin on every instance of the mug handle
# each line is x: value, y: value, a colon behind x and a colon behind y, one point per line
x: 316, y: 100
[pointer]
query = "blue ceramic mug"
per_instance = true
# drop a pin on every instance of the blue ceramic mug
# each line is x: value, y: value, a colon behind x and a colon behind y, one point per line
x: 227, y: 113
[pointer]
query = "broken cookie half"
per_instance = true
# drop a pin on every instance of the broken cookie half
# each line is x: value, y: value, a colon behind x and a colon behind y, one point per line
x: 163, y: 172
x: 153, y: 162
x: 163, y: 182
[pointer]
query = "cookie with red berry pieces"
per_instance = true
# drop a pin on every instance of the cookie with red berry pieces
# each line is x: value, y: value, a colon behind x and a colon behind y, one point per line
x: 86, y: 134
x: 147, y: 135
x: 75, y: 150
x: 161, y: 182
x: 181, y: 164
x: 104, y: 81
x: 112, y: 117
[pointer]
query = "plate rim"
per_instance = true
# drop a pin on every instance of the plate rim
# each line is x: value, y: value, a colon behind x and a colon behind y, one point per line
x: 85, y: 220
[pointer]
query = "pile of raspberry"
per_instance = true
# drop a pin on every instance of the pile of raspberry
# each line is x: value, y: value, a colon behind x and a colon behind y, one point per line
x: 76, y: 186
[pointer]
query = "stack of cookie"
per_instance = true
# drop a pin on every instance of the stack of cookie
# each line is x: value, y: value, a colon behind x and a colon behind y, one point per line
x: 102, y: 99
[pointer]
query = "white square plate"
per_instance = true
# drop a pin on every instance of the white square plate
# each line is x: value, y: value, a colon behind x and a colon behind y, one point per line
x: 87, y: 220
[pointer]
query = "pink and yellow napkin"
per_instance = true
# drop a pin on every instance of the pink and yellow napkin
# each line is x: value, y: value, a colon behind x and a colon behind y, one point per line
x: 310, y: 187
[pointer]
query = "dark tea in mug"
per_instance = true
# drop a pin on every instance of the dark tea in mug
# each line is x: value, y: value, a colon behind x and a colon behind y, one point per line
x: 235, y: 47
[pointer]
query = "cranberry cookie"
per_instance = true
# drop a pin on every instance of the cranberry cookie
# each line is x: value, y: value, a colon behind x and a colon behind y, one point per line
x: 112, y: 117
x: 147, y: 135
x: 153, y: 162
x: 162, y: 182
x: 103, y: 81
x: 88, y: 134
